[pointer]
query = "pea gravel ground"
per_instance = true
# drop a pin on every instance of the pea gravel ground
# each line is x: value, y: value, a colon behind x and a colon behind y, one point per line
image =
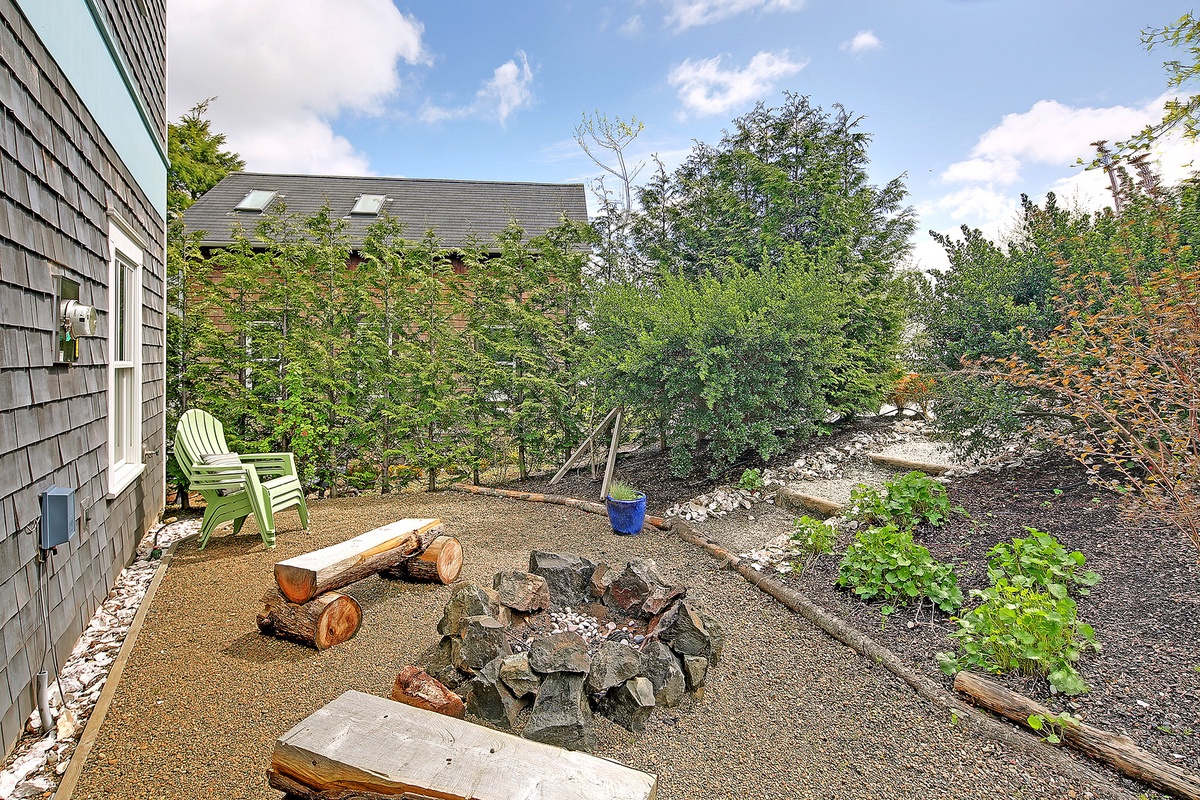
x: 788, y: 713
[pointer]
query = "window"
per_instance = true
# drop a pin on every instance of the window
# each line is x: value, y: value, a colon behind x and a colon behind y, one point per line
x: 125, y: 359
x: 368, y: 204
x: 255, y: 200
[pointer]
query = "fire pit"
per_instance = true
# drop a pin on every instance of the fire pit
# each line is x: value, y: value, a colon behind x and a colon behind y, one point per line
x: 572, y: 638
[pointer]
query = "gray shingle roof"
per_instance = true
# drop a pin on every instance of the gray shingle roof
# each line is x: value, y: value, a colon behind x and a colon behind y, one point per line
x: 453, y: 209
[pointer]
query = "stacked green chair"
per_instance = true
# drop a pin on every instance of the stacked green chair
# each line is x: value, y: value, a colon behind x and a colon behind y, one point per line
x: 234, y: 486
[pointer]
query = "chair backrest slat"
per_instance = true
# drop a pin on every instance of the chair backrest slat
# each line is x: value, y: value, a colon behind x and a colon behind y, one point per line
x: 197, y: 435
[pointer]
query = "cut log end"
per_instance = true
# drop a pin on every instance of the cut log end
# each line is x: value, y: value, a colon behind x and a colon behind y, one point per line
x: 440, y: 562
x: 329, y: 619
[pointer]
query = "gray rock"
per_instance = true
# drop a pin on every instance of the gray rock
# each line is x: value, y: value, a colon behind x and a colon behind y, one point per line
x: 630, y: 704
x: 561, y: 715
x: 518, y: 675
x: 639, y: 591
x: 467, y: 600
x: 695, y: 670
x: 567, y: 575
x: 716, y: 636
x: 489, y: 699
x: 561, y: 652
x: 483, y: 639
x: 612, y: 665
x: 661, y: 666
x: 683, y: 629
x: 522, y: 591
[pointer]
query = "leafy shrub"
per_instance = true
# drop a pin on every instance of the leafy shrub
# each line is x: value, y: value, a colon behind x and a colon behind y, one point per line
x: 906, y: 502
x: 814, y: 536
x: 751, y: 480
x: 362, y: 473
x: 886, y: 563
x: 1019, y: 628
x: 1039, y: 561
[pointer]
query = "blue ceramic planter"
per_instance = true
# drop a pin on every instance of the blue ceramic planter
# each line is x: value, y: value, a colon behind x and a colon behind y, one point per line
x: 627, y: 516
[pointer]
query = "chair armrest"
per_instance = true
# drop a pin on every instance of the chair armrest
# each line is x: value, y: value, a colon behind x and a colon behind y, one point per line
x: 269, y: 464
x: 207, y: 477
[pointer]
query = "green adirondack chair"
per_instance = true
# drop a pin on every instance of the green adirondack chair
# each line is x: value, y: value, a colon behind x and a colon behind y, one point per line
x: 234, y: 486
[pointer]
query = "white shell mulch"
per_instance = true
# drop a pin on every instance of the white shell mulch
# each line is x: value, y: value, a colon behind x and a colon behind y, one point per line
x: 822, y: 464
x: 41, y: 757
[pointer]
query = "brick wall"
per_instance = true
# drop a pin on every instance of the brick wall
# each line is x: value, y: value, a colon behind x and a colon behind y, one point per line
x: 59, y: 177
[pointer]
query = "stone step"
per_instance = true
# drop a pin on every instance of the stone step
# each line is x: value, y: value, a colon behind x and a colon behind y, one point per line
x: 799, y: 501
x: 929, y: 468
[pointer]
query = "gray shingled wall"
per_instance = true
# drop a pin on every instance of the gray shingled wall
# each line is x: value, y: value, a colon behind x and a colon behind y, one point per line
x: 58, y: 176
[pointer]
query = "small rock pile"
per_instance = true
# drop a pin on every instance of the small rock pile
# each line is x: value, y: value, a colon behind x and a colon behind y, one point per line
x: 40, y: 758
x: 570, y: 638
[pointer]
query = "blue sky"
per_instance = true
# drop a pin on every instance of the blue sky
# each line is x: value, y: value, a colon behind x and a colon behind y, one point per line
x: 976, y: 101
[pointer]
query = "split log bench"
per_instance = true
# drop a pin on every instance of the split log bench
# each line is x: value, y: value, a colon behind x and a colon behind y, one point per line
x: 370, y: 748
x: 305, y: 606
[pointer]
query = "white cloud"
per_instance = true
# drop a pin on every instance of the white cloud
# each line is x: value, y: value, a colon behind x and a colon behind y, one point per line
x: 508, y: 90
x: 706, y: 88
x: 283, y: 70
x: 683, y: 14
x: 862, y: 42
x: 631, y: 26
x: 1049, y: 133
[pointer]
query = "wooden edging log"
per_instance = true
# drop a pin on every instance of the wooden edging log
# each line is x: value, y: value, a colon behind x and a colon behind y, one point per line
x: 304, y: 577
x: 867, y: 647
x: 557, y: 499
x: 1119, y: 752
x: 440, y: 562
x: 929, y: 468
x: 326, y: 620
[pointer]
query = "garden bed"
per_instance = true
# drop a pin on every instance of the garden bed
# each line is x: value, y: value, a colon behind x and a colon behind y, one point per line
x: 1145, y: 682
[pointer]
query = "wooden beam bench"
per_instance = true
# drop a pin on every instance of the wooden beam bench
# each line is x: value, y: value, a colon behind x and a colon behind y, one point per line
x: 305, y: 576
x: 305, y: 606
x: 365, y: 746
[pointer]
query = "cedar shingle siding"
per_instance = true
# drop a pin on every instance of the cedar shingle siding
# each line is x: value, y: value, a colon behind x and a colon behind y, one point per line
x: 59, y: 176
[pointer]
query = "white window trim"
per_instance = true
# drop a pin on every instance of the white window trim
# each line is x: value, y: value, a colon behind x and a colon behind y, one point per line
x: 124, y: 247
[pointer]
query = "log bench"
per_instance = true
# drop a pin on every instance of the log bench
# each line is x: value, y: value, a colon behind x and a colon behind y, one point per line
x: 305, y: 606
x: 365, y: 746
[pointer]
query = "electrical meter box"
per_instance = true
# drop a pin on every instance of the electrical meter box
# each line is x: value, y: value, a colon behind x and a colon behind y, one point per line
x: 58, y: 516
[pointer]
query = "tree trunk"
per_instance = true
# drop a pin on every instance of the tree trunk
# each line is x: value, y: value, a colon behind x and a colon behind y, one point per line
x: 440, y: 562
x: 306, y: 576
x: 1112, y: 749
x: 323, y: 622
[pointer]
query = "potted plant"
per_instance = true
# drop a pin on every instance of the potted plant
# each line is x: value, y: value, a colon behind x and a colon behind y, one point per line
x: 626, y: 508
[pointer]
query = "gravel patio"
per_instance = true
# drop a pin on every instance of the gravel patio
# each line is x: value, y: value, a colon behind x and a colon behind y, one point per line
x: 788, y: 713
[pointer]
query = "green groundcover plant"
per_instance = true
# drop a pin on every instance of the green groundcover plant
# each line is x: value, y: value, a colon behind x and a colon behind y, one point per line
x: 1039, y: 561
x: 1023, y: 629
x: 886, y: 564
x: 906, y: 502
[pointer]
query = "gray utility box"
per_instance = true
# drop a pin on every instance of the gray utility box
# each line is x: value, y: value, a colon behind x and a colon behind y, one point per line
x: 58, y: 516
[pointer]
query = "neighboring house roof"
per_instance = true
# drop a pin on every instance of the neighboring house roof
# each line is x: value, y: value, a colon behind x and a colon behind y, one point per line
x: 454, y: 210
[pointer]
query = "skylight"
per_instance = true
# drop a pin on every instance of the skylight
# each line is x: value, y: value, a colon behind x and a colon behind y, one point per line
x: 368, y: 204
x: 255, y: 200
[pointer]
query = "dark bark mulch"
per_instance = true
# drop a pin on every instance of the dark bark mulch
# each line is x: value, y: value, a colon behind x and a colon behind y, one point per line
x: 1145, y: 682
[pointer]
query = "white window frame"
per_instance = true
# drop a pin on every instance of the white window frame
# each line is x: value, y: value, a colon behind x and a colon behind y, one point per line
x: 125, y: 460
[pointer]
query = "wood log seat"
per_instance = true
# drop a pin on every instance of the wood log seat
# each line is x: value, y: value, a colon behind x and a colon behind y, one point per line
x: 364, y: 746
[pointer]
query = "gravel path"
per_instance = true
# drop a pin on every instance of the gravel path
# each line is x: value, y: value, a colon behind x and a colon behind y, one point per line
x: 788, y: 713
